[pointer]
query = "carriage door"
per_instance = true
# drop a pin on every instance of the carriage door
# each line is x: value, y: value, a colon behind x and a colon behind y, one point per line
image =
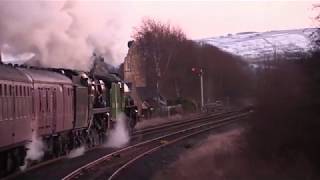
x: 41, y: 124
x: 22, y: 127
x: 42, y: 111
x: 6, y: 123
x: 54, y: 109
x: 49, y: 114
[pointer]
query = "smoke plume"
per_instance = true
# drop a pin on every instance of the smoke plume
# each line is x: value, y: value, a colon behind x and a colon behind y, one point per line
x: 61, y: 33
x: 77, y: 152
x: 35, y: 151
x: 119, y: 136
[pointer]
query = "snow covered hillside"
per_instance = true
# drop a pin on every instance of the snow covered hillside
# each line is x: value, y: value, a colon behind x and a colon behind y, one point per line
x: 261, y: 46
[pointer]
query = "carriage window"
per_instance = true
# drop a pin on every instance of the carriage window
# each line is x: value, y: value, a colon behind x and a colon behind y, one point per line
x: 0, y: 89
x: 24, y: 91
x: 5, y: 90
x: 40, y: 102
x: 47, y: 100
x: 10, y: 90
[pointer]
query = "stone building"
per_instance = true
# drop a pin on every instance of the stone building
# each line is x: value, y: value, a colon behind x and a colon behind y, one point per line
x: 134, y: 74
x: 143, y: 87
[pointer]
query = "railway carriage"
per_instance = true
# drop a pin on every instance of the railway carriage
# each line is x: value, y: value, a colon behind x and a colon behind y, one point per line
x: 15, y: 107
x: 52, y: 101
x: 65, y: 108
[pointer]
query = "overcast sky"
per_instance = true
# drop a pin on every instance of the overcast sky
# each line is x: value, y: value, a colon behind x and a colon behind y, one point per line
x: 66, y: 24
x: 210, y: 18
x: 201, y: 19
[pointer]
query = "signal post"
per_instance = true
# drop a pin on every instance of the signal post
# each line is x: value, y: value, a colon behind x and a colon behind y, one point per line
x: 199, y: 72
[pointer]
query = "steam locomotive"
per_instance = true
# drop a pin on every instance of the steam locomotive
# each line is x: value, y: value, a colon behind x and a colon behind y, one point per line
x: 66, y: 108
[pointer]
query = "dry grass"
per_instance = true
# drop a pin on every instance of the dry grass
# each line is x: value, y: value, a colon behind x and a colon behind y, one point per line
x: 227, y: 157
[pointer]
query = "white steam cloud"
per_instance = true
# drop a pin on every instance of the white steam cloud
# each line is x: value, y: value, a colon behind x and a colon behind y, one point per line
x: 119, y: 136
x: 35, y: 151
x: 77, y: 152
x: 62, y: 33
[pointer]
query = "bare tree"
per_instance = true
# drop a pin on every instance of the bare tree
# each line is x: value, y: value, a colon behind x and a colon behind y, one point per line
x: 157, y: 44
x: 169, y: 57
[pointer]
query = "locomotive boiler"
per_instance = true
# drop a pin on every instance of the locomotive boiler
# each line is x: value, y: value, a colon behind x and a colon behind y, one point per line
x: 65, y: 108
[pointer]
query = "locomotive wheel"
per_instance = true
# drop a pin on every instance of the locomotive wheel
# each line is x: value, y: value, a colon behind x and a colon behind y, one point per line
x: 129, y: 125
x: 95, y: 137
x: 69, y: 141
x: 19, y: 154
x: 11, y: 162
x: 57, y: 146
x: 3, y: 164
x: 65, y: 142
x: 83, y: 140
x: 77, y: 141
x: 101, y: 137
x: 50, y: 146
x: 89, y: 139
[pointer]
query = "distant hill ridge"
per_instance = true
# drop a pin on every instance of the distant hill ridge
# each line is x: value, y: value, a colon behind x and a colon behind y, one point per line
x: 270, y: 45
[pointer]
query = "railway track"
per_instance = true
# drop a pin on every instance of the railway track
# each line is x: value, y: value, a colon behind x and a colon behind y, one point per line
x: 139, y: 135
x: 167, y: 127
x: 111, y: 165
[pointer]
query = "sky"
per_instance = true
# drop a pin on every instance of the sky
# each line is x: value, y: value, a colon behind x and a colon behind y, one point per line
x: 66, y: 25
x: 200, y: 19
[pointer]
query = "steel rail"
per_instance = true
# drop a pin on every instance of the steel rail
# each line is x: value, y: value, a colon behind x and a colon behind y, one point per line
x: 80, y: 171
x: 126, y: 165
x: 170, y: 124
x: 179, y: 124
x: 147, y: 131
x: 136, y: 134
